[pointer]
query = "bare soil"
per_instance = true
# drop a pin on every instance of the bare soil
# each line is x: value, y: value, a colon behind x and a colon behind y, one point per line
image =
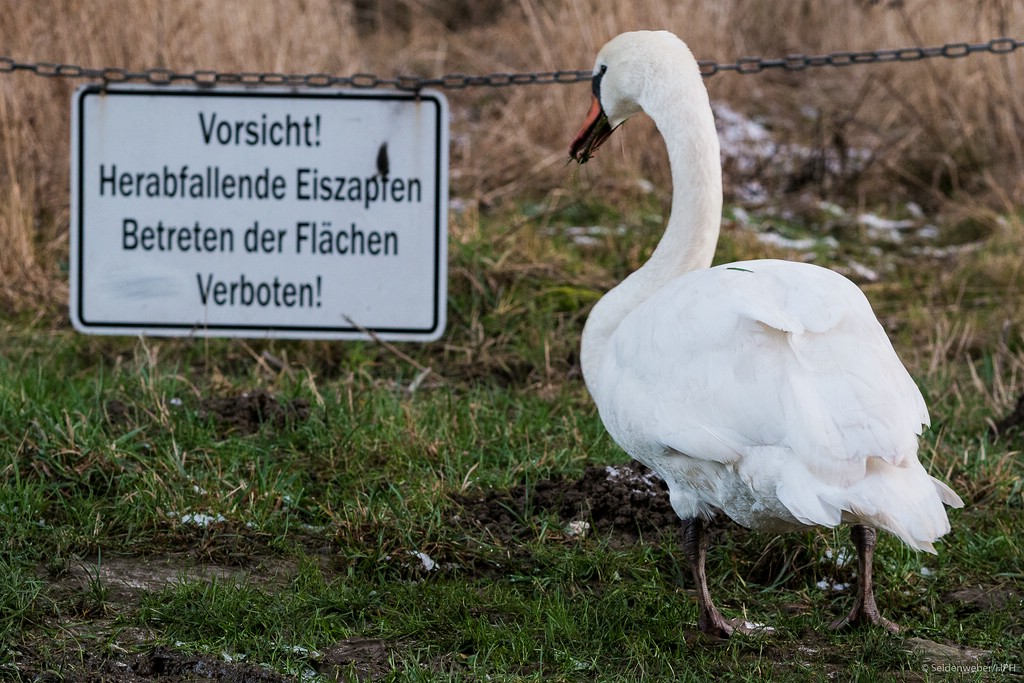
x: 245, y: 413
x: 357, y: 659
x: 626, y: 502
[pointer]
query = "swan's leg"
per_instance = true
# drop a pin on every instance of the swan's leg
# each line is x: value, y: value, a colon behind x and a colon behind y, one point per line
x: 864, y: 608
x: 695, y: 544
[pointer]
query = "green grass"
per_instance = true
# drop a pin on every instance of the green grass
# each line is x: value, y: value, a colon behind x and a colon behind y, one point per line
x: 107, y: 443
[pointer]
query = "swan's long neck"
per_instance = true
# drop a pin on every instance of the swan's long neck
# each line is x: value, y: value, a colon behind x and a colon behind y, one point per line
x: 684, y: 118
x: 680, y: 108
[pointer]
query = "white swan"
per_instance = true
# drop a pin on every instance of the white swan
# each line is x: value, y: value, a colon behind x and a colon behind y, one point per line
x: 763, y: 389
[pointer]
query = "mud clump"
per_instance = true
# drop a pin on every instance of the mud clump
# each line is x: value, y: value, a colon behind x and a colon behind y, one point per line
x: 356, y: 659
x: 164, y: 664
x: 245, y: 413
x: 984, y: 598
x: 365, y: 659
x: 160, y: 664
x: 626, y: 502
x: 119, y: 413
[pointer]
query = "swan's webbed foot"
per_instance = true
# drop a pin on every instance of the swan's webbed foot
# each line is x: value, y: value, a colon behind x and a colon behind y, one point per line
x: 864, y: 614
x: 713, y: 624
x: 865, y: 610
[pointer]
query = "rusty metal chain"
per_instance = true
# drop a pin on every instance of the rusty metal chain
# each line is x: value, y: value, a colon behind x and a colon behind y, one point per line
x: 799, y: 62
x: 460, y: 81
x: 164, y: 76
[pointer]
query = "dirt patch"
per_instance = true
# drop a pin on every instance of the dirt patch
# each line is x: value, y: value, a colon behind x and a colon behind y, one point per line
x: 245, y: 413
x: 93, y: 594
x: 360, y: 659
x: 935, y: 653
x: 985, y: 598
x: 627, y: 502
x: 160, y: 664
x: 169, y: 665
x: 119, y: 413
x: 124, y: 579
x: 354, y: 659
x: 239, y: 414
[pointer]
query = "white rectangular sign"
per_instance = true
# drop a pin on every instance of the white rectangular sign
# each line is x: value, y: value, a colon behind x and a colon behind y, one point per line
x: 259, y: 213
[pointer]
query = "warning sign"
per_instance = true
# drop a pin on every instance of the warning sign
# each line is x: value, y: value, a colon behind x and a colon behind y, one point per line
x: 278, y: 213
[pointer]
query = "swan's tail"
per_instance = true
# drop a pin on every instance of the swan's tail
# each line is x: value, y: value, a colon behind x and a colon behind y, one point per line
x: 905, y: 501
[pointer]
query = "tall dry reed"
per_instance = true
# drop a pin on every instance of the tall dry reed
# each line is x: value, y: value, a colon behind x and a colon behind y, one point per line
x: 934, y: 129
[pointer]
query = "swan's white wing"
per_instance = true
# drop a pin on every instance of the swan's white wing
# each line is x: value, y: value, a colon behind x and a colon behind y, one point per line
x: 777, y: 369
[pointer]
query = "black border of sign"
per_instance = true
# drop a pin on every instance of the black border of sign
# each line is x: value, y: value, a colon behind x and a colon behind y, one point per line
x: 196, y: 329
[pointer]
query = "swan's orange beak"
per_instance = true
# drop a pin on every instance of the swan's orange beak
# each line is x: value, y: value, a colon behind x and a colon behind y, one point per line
x: 595, y: 131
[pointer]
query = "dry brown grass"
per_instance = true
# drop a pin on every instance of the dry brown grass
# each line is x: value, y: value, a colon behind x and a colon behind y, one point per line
x: 936, y: 128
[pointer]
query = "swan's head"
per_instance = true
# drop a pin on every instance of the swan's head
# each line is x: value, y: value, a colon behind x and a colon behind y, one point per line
x: 626, y: 71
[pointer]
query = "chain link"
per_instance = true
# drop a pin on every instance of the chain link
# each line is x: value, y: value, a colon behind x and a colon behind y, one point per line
x: 460, y: 81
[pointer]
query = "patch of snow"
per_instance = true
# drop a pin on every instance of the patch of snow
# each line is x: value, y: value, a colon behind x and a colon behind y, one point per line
x: 646, y: 186
x: 885, y: 228
x: 589, y: 235
x: 198, y: 518
x: 742, y: 140
x: 809, y: 112
x: 740, y: 215
x: 943, y: 252
x: 644, y: 485
x: 839, y: 557
x: 579, y: 664
x: 428, y: 562
x: 753, y: 626
x: 458, y: 205
x: 750, y: 149
x: 863, y: 272
x: 871, y: 220
x: 176, y: 402
x: 798, y: 244
x: 304, y: 651
x: 832, y: 209
x: 925, y: 571
x: 577, y: 527
x: 832, y: 585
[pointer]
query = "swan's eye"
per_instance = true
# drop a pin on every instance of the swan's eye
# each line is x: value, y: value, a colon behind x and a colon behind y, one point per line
x: 595, y: 84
